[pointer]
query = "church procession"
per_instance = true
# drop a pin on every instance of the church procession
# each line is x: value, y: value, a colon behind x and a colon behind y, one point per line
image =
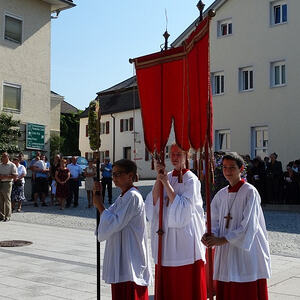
x: 180, y: 165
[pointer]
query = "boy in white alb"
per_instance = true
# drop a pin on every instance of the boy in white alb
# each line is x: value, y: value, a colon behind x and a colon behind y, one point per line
x: 242, y: 256
x: 126, y: 264
x: 183, y: 255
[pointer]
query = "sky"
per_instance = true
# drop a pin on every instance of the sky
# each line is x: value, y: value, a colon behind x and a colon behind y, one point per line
x: 92, y: 42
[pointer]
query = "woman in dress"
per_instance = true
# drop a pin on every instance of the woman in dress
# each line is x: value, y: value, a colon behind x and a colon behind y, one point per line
x: 17, y: 194
x: 62, y: 176
x: 89, y: 173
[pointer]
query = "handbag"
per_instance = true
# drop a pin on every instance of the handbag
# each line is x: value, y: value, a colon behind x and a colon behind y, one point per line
x: 18, y: 182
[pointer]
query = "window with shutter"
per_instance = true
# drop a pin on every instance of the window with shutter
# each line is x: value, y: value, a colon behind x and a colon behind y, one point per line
x: 107, y: 127
x: 131, y: 124
x: 121, y: 125
x: 86, y: 130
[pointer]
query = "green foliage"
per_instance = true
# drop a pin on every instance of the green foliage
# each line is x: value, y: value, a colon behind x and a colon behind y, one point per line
x: 55, y: 144
x: 93, y: 127
x: 9, y: 133
x: 69, y: 132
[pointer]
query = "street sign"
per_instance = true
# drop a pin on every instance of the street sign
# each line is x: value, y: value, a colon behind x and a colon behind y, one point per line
x: 35, y: 136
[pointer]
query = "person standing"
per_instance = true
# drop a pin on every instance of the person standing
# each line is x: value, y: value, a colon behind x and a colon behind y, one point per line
x: 183, y: 255
x: 22, y: 161
x: 41, y: 181
x: 75, y: 172
x: 62, y: 176
x: 17, y: 194
x: 89, y: 173
x: 239, y: 235
x: 8, y: 173
x: 126, y: 263
x: 106, y: 180
x: 31, y: 167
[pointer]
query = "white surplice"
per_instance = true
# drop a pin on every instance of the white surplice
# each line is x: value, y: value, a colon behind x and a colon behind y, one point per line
x: 183, y: 223
x: 123, y: 226
x: 247, y: 255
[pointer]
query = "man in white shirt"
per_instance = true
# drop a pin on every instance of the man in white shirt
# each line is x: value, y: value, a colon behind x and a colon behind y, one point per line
x: 242, y: 257
x: 8, y: 173
x: 75, y: 171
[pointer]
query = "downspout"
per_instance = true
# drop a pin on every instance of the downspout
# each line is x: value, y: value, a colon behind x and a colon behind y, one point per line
x: 114, y: 137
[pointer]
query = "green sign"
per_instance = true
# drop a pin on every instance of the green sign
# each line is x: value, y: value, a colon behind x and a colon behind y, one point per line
x: 35, y: 136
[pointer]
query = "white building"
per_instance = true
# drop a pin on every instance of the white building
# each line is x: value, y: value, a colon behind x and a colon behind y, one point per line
x: 25, y: 66
x: 255, y: 68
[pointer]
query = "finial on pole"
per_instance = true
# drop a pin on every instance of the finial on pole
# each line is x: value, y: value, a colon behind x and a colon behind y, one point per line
x: 166, y: 36
x: 200, y: 6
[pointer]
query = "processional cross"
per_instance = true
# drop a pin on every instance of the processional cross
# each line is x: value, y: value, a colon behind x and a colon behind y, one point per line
x: 228, y: 218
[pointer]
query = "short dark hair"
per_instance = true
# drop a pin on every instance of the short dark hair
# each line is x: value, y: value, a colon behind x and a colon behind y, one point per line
x: 127, y: 165
x: 234, y: 156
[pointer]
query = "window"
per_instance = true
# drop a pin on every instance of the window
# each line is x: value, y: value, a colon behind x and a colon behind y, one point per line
x: 13, y: 29
x: 218, y: 83
x: 126, y: 124
x: 127, y: 152
x: 225, y: 27
x: 246, y: 79
x: 260, y: 140
x: 11, y: 97
x: 222, y: 138
x: 102, y: 128
x: 86, y: 131
x: 278, y: 12
x: 278, y: 73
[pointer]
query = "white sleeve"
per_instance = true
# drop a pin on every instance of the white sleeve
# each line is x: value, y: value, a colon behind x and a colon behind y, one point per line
x: 181, y: 210
x: 243, y: 236
x: 24, y: 170
x: 214, y: 208
x: 112, y: 222
x: 151, y: 210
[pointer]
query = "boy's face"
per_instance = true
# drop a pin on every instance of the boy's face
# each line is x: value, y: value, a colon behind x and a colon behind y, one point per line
x: 120, y: 178
x: 231, y: 170
x: 177, y: 157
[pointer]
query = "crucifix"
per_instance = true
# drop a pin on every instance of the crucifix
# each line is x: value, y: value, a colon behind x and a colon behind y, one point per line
x: 228, y: 218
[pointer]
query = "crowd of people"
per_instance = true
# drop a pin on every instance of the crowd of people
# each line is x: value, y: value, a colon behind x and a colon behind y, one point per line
x: 275, y: 185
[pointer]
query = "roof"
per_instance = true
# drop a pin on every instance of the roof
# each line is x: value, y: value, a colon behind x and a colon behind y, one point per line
x: 67, y: 108
x: 122, y: 86
x: 117, y: 101
x: 215, y: 6
x: 53, y: 94
x: 58, y: 5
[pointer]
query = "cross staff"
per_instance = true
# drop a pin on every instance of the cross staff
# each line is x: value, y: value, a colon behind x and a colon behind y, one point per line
x: 228, y: 218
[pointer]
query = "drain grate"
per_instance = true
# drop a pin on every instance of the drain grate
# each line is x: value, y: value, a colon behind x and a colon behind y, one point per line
x: 14, y: 243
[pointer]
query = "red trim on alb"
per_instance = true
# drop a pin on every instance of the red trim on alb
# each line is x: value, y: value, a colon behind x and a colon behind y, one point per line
x: 236, y: 187
x: 177, y: 172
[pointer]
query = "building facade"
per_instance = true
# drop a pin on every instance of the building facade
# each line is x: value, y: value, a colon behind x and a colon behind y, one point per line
x: 25, y: 67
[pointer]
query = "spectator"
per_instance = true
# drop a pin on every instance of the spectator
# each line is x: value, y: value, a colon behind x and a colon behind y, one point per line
x: 258, y: 177
x: 8, y: 172
x: 89, y: 173
x: 22, y: 161
x: 106, y: 170
x: 75, y: 172
x: 53, y: 168
x: 274, y: 179
x: 41, y: 181
x: 17, y: 194
x: 31, y: 167
x: 62, y: 176
x: 290, y: 185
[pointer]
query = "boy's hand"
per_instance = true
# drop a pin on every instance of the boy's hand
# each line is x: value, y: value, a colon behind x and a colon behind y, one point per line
x: 211, y: 240
x: 97, y: 196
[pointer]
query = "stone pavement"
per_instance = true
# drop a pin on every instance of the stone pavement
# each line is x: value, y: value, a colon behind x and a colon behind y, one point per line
x: 60, y: 264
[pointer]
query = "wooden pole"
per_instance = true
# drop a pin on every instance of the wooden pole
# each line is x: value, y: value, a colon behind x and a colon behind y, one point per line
x: 98, y: 243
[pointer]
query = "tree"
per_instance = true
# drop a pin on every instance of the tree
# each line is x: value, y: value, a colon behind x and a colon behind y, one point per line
x: 93, y: 125
x: 69, y: 132
x: 55, y: 144
x: 9, y: 133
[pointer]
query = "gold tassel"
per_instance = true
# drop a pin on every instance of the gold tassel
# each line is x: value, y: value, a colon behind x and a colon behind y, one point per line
x: 187, y: 163
x: 196, y: 164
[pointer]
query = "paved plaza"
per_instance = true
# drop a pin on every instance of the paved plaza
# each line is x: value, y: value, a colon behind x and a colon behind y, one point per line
x: 61, y: 262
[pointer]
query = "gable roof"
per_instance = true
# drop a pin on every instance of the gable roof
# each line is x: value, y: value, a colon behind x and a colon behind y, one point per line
x: 122, y: 86
x: 67, y: 108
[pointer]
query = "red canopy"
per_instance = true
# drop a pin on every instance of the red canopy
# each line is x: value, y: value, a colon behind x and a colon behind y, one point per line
x: 174, y: 85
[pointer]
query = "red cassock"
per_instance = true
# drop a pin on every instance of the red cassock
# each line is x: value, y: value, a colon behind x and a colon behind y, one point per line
x: 128, y: 290
x: 190, y: 279
x: 255, y: 290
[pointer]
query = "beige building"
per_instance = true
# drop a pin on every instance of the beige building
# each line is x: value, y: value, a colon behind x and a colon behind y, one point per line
x: 255, y: 68
x: 25, y: 67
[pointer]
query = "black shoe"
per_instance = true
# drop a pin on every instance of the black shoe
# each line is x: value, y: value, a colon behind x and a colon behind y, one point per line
x: 36, y: 205
x: 6, y: 220
x: 75, y: 205
x: 44, y: 204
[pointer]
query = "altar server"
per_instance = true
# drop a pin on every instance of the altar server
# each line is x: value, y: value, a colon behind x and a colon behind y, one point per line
x: 183, y: 255
x: 126, y: 264
x: 242, y: 256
